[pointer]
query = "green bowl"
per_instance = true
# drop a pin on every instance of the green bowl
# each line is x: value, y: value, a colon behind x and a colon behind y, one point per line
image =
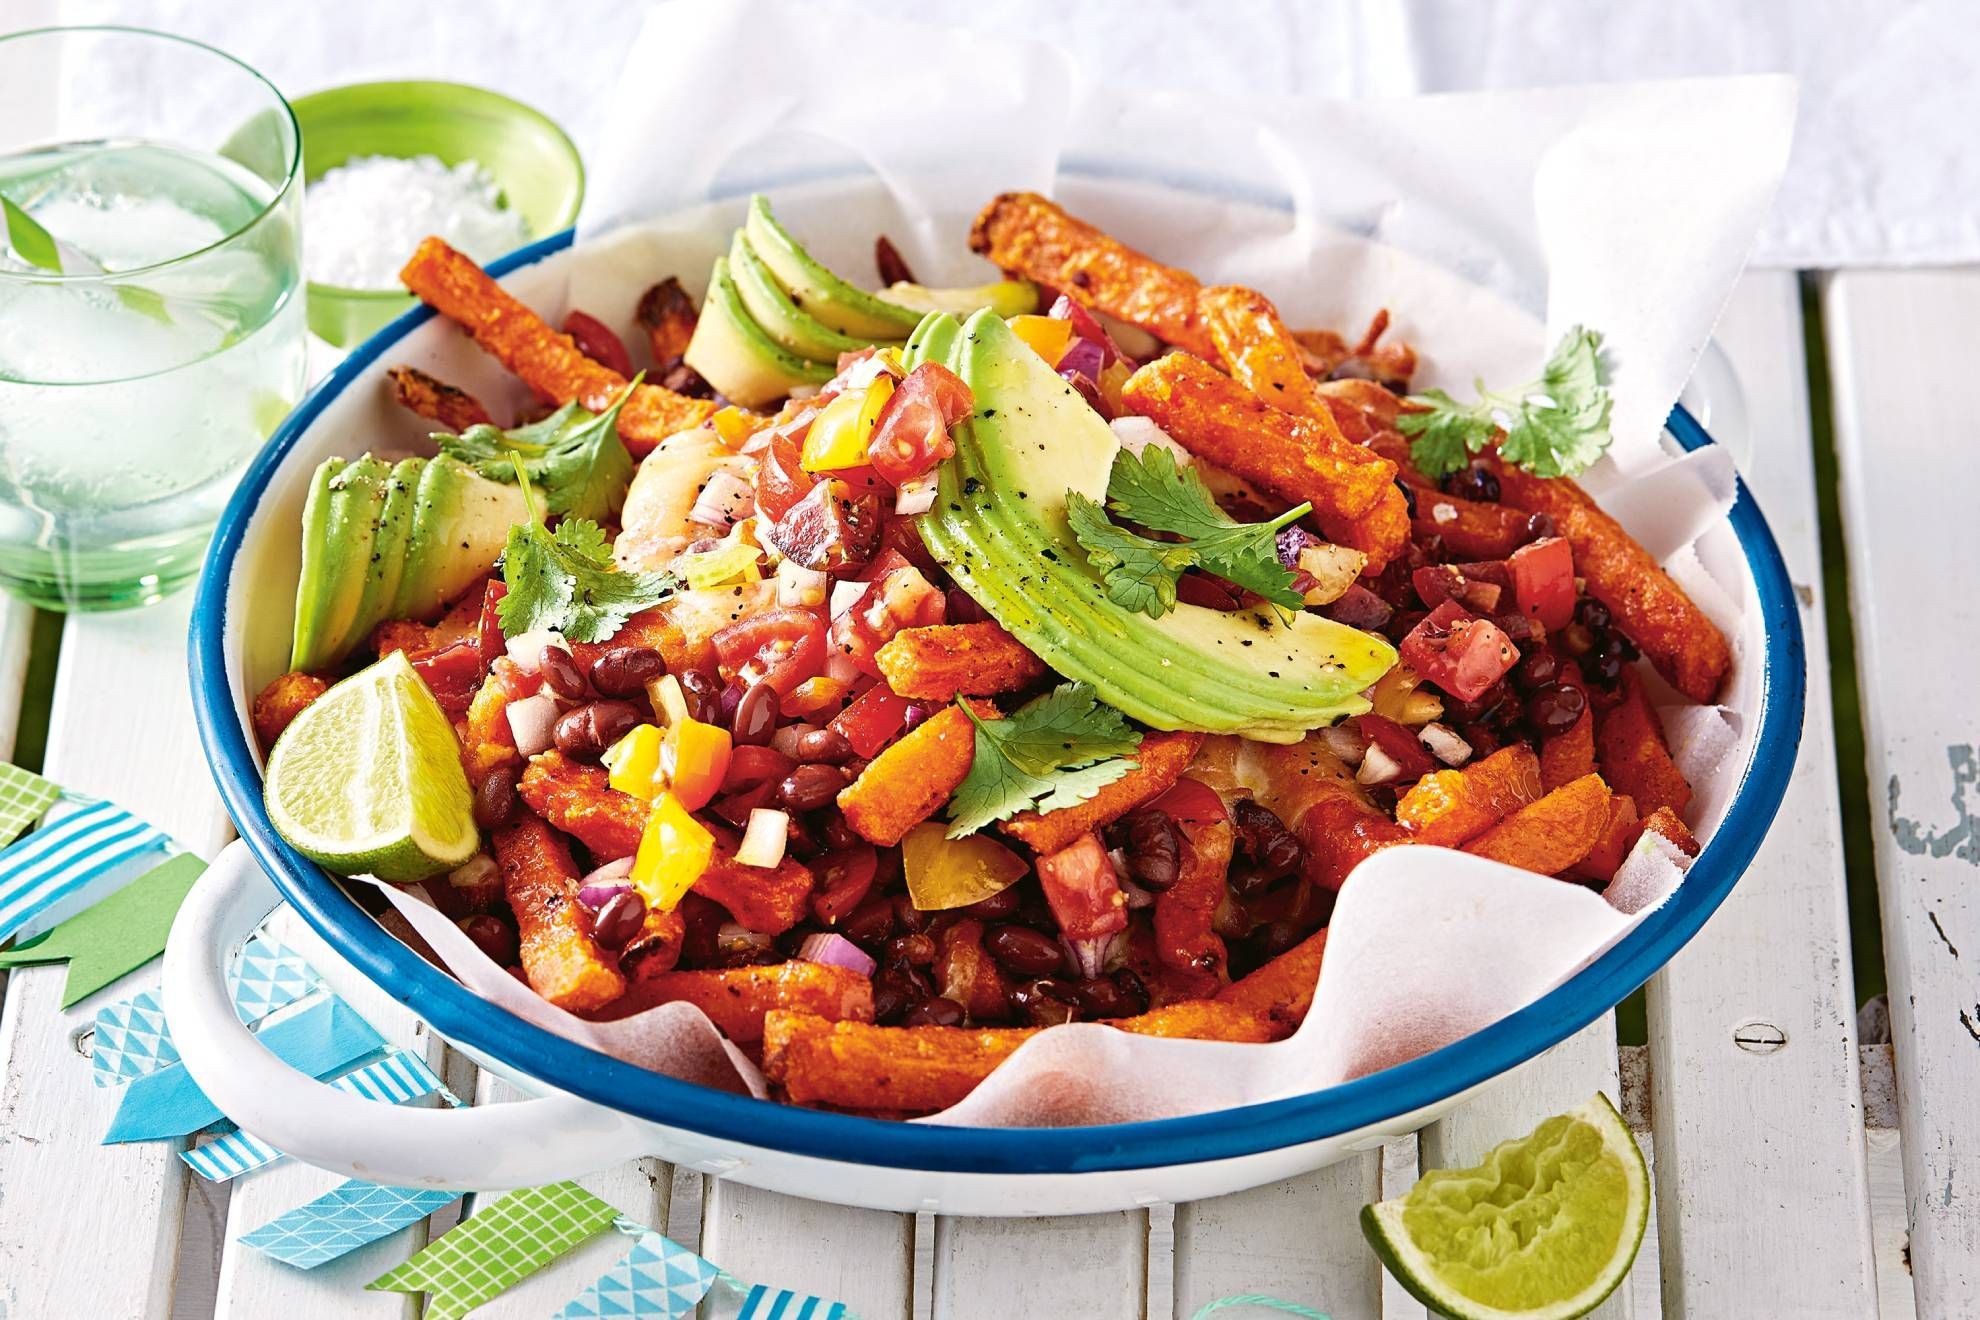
x: 535, y: 164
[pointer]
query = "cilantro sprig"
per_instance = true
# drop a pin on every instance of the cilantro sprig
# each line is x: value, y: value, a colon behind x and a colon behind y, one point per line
x: 1140, y: 572
x: 574, y: 456
x: 1053, y: 752
x: 1554, y: 427
x: 566, y: 580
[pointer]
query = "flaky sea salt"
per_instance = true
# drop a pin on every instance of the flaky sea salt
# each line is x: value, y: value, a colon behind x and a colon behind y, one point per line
x: 362, y: 219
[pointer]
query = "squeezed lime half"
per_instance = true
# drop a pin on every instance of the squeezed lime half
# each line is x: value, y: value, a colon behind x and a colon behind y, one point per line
x: 1544, y: 1228
x: 368, y: 779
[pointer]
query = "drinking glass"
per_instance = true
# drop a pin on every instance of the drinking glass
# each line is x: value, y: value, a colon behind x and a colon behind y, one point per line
x: 151, y: 304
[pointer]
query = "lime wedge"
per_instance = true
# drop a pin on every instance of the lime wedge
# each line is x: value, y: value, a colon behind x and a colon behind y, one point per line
x: 1543, y: 1229
x: 368, y: 779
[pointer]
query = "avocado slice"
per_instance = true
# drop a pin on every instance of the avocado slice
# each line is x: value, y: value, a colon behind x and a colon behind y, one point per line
x: 340, y: 520
x: 999, y: 527
x: 460, y: 522
x: 390, y: 535
x: 1004, y: 297
x: 733, y: 354
x: 784, y: 321
x: 841, y: 306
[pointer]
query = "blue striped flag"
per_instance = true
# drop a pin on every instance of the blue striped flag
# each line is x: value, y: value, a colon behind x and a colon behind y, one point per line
x: 394, y: 1079
x: 64, y: 856
x: 764, y: 1303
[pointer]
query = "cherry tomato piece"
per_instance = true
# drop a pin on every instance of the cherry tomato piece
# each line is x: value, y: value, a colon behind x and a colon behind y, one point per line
x: 912, y: 433
x: 780, y: 647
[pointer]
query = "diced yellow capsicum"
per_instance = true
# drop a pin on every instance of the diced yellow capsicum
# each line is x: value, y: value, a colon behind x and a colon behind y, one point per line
x: 839, y: 434
x: 732, y: 426
x: 634, y: 763
x: 673, y: 853
x: 1049, y: 336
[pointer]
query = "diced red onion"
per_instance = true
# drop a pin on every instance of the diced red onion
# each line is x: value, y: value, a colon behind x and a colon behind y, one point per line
x: 1085, y: 327
x: 1290, y: 541
x: 598, y: 888
x: 1359, y: 607
x: 723, y: 500
x: 1083, y: 357
x: 845, y: 595
x: 1346, y: 744
x: 533, y: 722
x: 830, y: 950
x: 1089, y: 391
x: 526, y: 649
x: 1444, y: 744
x: 912, y: 498
x: 764, y: 838
x: 1089, y: 953
x: 914, y: 716
x: 1377, y: 767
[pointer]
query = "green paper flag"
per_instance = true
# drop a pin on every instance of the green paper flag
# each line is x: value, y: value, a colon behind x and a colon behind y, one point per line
x: 117, y: 936
x: 24, y: 795
x: 493, y: 1249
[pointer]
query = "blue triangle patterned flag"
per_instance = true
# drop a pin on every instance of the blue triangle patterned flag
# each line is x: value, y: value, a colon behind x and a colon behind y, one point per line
x: 343, y: 1219
x: 657, y: 1280
x: 267, y: 975
x: 130, y: 1040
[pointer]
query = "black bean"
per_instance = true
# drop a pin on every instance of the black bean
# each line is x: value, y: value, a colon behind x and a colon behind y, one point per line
x: 495, y: 798
x: 1409, y: 496
x: 1591, y: 614
x: 585, y: 732
x: 618, y: 922
x: 1604, y: 667
x: 1041, y: 1003
x: 1555, y: 709
x: 492, y: 935
x: 1539, y: 526
x: 823, y: 746
x: 1131, y: 986
x: 1264, y: 838
x: 1153, y: 843
x: 810, y: 787
x: 1022, y: 951
x: 625, y: 670
x: 1275, y: 937
x: 756, y: 716
x: 704, y: 695
x: 913, y: 950
x: 562, y: 674
x: 1100, y: 997
x: 1471, y: 483
x: 870, y: 923
x: 906, y: 914
x: 838, y: 835
x: 936, y: 1012
x: 1537, y: 668
x: 898, y: 990
x: 999, y: 906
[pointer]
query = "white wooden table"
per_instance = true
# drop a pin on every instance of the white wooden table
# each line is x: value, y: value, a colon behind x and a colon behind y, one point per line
x: 1795, y: 1174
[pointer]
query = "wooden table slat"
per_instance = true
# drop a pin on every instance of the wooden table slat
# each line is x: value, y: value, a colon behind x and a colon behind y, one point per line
x: 1091, y: 1266
x: 864, y: 1258
x: 1298, y: 1239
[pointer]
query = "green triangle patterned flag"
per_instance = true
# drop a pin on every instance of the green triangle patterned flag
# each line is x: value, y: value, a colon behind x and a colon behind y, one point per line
x: 493, y: 1249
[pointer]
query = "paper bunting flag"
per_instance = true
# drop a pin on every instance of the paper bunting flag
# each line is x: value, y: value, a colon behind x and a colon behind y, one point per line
x: 130, y: 1040
x: 24, y: 795
x: 117, y: 936
x: 765, y: 1303
x: 398, y: 1077
x: 491, y: 1250
x: 657, y: 1280
x: 343, y: 1219
x: 65, y: 856
x: 267, y: 975
x: 320, y: 1040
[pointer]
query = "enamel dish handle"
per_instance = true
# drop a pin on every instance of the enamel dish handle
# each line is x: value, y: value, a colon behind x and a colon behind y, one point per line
x: 494, y: 1146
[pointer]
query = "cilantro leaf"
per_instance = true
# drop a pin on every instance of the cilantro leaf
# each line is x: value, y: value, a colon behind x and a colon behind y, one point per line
x: 566, y: 580
x: 1554, y: 427
x: 1139, y: 572
x: 575, y: 456
x: 1054, y: 752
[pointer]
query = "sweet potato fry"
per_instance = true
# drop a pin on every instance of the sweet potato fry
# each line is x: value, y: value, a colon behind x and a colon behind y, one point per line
x: 737, y: 998
x: 1340, y: 829
x: 580, y: 800
x: 1450, y: 806
x: 1613, y: 844
x: 1632, y: 754
x: 1259, y: 352
x: 1184, y: 938
x: 1664, y: 821
x: 1568, y: 756
x: 657, y: 947
x: 1651, y: 609
x: 487, y: 742
x: 1296, y: 458
x: 438, y: 402
x: 906, y: 783
x: 549, y: 362
x: 278, y: 704
x: 1552, y: 834
x: 558, y: 956
x: 766, y: 899
x: 951, y: 660
x: 922, y: 1069
x: 1471, y: 529
x: 1027, y: 235
x: 654, y: 628
x: 1327, y: 354
x: 1281, y: 991
x: 1159, y: 763
x: 667, y: 315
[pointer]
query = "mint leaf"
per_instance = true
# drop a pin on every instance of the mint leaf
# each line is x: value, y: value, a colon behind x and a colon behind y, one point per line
x: 1051, y: 753
x: 1554, y: 427
x: 574, y: 456
x: 31, y: 243
x: 566, y: 580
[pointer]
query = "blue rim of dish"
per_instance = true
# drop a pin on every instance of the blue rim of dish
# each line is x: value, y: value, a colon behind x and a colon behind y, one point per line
x: 1371, y: 1101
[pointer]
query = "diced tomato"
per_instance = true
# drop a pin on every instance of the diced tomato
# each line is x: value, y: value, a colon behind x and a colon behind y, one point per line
x: 598, y: 343
x: 780, y: 481
x: 1460, y: 654
x: 887, y: 561
x: 752, y: 765
x: 779, y: 647
x: 901, y: 599
x: 1543, y: 581
x: 912, y: 434
x: 488, y: 632
x: 901, y: 537
x: 872, y: 721
x: 1398, y: 744
x: 842, y: 881
x: 833, y: 529
x: 516, y: 682
x: 1437, y: 583
x: 1082, y: 889
x: 1192, y: 803
x: 454, y: 674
